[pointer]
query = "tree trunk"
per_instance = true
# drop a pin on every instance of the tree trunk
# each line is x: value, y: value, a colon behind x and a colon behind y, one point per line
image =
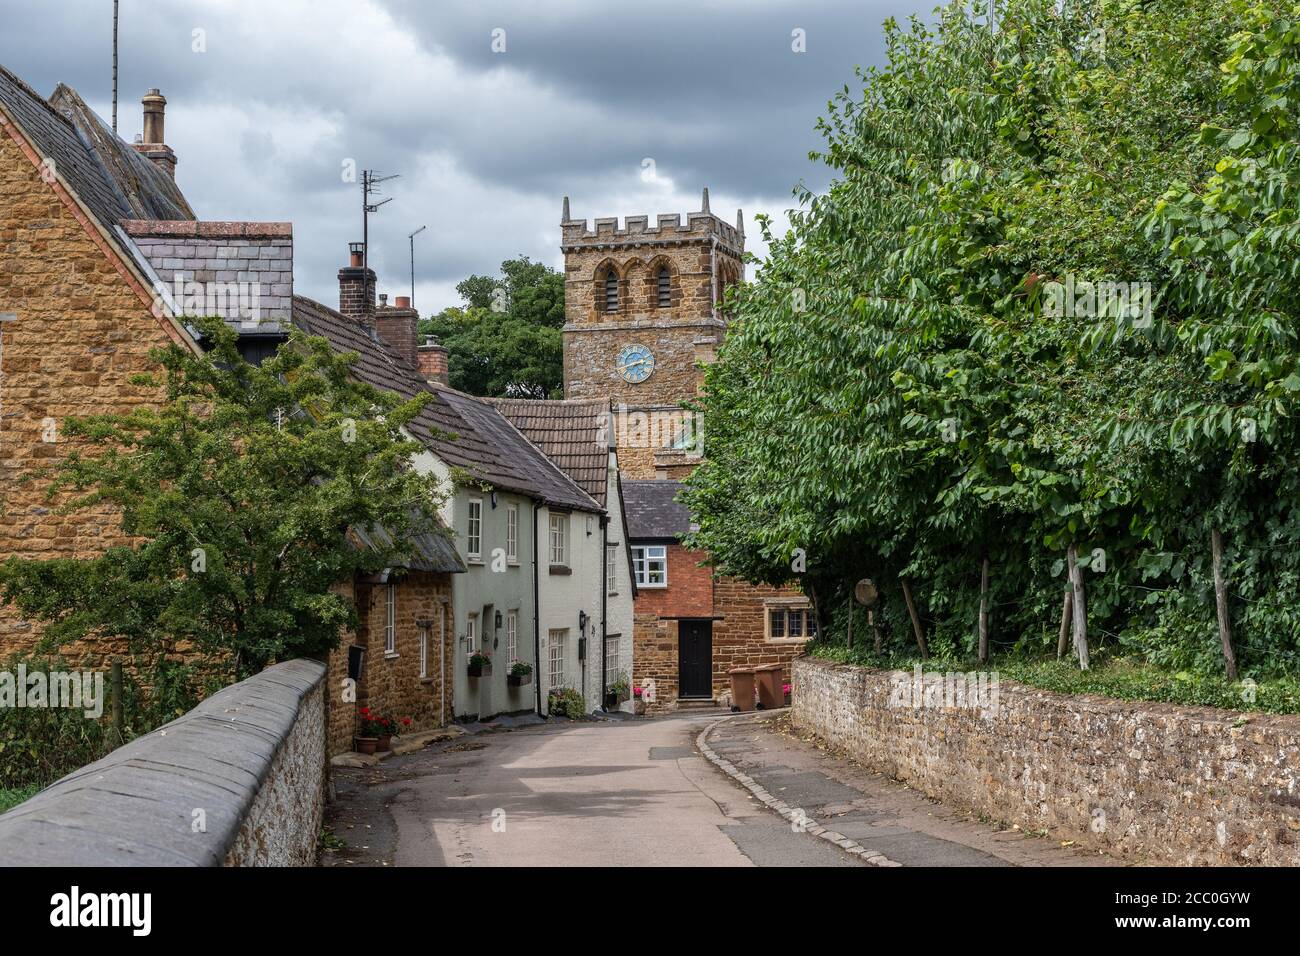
x: 850, y: 620
x: 984, y: 611
x: 917, y: 629
x: 1067, y: 606
x: 875, y: 631
x: 1221, y: 605
x: 1080, y: 609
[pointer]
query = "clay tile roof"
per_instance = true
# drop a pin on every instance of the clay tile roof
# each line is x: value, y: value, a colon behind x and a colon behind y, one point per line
x: 573, y: 433
x: 462, y: 430
x: 652, y: 511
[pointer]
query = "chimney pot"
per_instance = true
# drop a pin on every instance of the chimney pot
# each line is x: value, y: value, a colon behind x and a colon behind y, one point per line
x: 357, y: 287
x: 152, y: 142
x: 403, y: 301
x: 383, y: 300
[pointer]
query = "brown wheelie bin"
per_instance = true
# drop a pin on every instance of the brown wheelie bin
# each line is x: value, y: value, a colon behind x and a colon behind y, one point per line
x: 771, y: 695
x: 742, y: 688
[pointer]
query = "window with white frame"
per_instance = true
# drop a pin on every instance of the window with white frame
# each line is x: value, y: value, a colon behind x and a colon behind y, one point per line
x: 512, y: 636
x: 474, y: 529
x: 471, y: 634
x: 512, y: 534
x: 650, y: 565
x: 390, y: 620
x: 611, y: 569
x: 424, y: 651
x: 559, y: 534
x: 555, y: 641
x: 612, y: 663
x: 790, y: 623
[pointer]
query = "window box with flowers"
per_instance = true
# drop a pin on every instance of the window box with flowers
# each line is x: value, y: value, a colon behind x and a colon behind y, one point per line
x: 521, y: 673
x: 480, y: 664
x: 618, y: 691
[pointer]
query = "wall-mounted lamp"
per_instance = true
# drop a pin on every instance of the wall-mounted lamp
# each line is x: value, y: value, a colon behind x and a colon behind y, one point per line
x: 497, y: 620
x: 582, y: 621
x: 493, y: 497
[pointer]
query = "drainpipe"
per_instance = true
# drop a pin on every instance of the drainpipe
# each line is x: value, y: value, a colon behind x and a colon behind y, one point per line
x: 604, y: 607
x: 537, y: 623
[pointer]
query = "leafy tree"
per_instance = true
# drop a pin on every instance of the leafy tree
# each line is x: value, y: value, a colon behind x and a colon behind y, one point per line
x: 898, y: 399
x: 506, y: 342
x: 239, y: 492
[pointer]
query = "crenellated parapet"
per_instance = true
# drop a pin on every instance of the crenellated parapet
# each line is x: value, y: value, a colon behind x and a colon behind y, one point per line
x: 667, y: 229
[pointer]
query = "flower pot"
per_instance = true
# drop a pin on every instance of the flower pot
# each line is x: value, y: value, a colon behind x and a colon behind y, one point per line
x: 640, y: 707
x: 480, y: 670
x: 611, y: 701
x: 519, y: 680
x: 366, y: 745
x: 384, y: 744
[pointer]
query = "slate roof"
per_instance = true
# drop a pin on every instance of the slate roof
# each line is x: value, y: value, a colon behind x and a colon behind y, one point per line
x: 245, y: 268
x: 463, y: 431
x: 433, y: 552
x: 573, y: 433
x: 113, y: 181
x: 651, y: 510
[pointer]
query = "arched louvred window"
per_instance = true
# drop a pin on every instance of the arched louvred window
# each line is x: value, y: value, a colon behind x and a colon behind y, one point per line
x: 611, y: 291
x: 665, y: 288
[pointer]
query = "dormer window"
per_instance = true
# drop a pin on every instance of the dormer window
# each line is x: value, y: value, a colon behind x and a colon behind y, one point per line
x: 611, y: 291
x: 665, y: 288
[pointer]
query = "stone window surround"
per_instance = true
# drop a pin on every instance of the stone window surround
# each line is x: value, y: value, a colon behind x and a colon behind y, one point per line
x: 787, y: 604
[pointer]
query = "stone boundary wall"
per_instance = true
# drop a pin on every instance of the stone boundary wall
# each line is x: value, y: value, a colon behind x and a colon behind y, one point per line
x: 237, y: 781
x: 1150, y: 782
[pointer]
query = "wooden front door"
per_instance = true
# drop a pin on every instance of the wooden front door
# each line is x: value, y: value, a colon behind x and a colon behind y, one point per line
x: 695, y: 659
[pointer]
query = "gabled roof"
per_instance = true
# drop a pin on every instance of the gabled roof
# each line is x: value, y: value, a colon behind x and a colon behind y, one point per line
x: 463, y: 431
x: 573, y: 433
x: 111, y: 179
x: 149, y: 192
x: 652, y: 511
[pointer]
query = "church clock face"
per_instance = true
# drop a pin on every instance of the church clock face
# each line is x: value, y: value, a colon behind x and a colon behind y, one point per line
x: 635, y: 363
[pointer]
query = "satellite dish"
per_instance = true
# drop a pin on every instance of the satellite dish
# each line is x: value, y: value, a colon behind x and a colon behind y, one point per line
x: 865, y: 592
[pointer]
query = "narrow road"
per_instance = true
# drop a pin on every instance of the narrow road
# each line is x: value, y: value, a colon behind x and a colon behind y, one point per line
x: 639, y: 793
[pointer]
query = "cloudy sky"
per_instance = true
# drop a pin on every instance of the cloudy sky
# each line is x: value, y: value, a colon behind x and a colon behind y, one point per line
x: 491, y: 112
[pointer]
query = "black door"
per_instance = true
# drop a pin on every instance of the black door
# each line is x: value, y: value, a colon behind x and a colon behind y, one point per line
x: 695, y: 659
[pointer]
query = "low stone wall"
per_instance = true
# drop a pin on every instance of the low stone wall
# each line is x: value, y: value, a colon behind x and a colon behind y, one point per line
x: 1150, y: 782
x: 237, y: 781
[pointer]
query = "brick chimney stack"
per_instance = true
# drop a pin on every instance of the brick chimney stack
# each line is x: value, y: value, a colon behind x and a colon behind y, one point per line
x: 397, y: 325
x: 433, y: 362
x: 357, y: 288
x: 154, y: 146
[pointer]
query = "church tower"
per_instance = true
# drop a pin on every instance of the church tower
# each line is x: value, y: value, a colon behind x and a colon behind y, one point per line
x: 641, y: 304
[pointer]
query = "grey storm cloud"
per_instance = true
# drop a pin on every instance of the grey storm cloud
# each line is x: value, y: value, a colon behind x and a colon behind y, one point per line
x: 282, y: 95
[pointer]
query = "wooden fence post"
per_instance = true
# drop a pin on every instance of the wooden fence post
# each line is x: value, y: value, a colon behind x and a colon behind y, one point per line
x: 1080, y: 607
x: 917, y: 629
x: 984, y: 611
x: 1221, y: 604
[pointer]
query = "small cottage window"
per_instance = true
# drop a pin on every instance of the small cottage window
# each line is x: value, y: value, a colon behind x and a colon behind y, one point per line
x: 665, y: 288
x: 611, y: 291
x: 390, y: 620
